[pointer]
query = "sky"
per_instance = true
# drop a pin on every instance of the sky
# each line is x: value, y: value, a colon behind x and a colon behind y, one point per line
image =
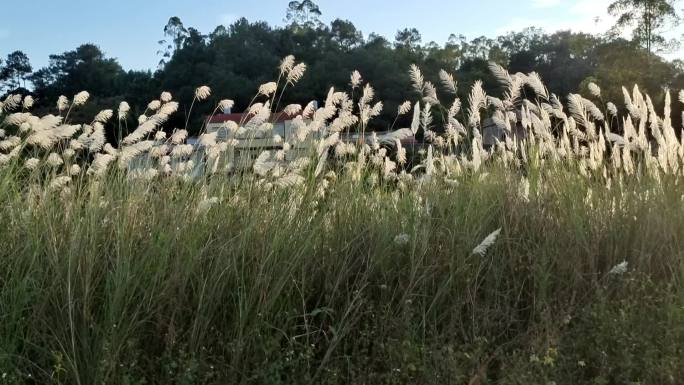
x: 130, y: 29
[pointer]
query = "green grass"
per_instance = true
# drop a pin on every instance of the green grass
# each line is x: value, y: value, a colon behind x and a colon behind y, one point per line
x: 134, y: 283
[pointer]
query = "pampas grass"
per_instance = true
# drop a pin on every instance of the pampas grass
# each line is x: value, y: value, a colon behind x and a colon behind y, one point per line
x: 231, y: 261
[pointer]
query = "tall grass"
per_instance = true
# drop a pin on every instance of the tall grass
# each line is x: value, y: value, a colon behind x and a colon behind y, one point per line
x: 342, y: 268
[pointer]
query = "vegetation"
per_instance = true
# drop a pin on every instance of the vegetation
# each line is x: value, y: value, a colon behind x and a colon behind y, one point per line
x: 234, y: 60
x: 555, y: 256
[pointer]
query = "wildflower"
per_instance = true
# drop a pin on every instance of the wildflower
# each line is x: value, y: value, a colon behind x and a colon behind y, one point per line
x: 202, y: 92
x: 402, y: 239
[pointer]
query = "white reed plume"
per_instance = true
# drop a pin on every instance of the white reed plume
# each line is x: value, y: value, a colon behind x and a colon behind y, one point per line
x: 166, y: 97
x: 477, y: 100
x: 81, y: 98
x: 268, y: 89
x: 165, y: 110
x: 124, y: 108
x: 501, y: 74
x: 104, y: 116
x: 619, y: 269
x: 356, y: 79
x: 154, y: 105
x: 296, y: 73
x: 292, y: 109
x: 182, y: 150
x: 31, y: 163
x: 10, y: 143
x: 417, y: 79
x: 448, y: 82
x: 179, y: 136
x: 287, y: 64
x: 402, y: 240
x: 401, y: 152
x: 482, y: 248
x: 263, y: 163
x: 594, y: 89
x: 62, y: 103
x: 28, y: 102
x: 59, y: 182
x: 535, y: 82
x: 404, y: 108
x: 226, y: 104
x: 54, y: 160
x: 129, y: 153
x: 202, y: 92
x: 74, y: 170
x: 206, y: 204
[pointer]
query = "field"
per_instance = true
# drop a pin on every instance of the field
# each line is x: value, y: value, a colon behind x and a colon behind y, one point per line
x: 554, y: 256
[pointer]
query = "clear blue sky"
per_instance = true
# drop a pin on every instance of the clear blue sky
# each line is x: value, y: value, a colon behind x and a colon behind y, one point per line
x: 129, y: 29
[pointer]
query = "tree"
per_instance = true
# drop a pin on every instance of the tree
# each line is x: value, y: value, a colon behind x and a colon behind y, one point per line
x: 648, y: 18
x: 408, y: 38
x: 177, y: 33
x: 16, y: 70
x: 345, y: 33
x: 303, y: 13
x: 85, y: 68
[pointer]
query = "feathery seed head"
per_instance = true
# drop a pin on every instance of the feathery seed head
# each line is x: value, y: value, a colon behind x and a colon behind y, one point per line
x: 81, y: 98
x: 62, y: 103
x: 202, y: 92
x: 268, y: 89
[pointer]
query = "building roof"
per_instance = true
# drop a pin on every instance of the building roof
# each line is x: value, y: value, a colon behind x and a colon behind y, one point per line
x: 238, y: 117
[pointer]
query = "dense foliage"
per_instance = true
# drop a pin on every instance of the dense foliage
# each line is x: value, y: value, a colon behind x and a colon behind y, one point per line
x: 234, y: 60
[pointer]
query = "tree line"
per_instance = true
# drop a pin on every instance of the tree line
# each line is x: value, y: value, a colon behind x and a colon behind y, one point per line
x: 234, y: 60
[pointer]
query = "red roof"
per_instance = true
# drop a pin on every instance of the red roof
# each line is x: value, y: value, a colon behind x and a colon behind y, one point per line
x: 238, y: 117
